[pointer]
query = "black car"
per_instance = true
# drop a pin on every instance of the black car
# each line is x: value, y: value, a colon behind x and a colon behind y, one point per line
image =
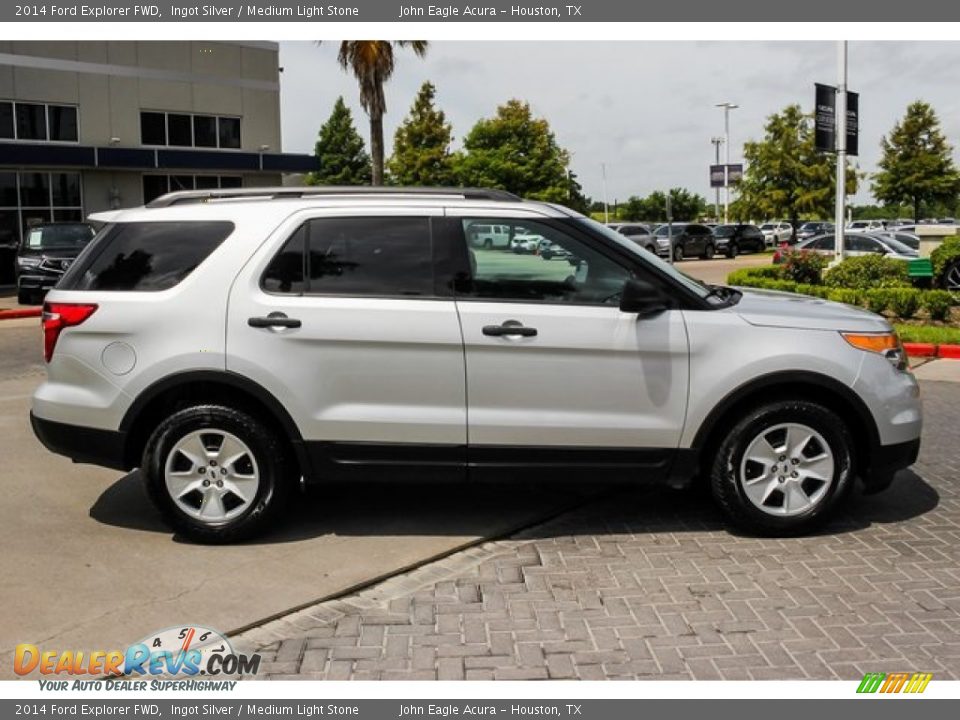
x: 735, y: 239
x: 45, y: 253
x: 689, y: 240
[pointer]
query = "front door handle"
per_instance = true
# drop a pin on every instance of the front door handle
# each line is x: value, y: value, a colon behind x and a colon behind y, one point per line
x: 274, y: 319
x: 506, y: 330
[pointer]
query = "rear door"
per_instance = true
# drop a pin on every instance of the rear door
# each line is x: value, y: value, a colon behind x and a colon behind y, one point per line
x: 339, y: 317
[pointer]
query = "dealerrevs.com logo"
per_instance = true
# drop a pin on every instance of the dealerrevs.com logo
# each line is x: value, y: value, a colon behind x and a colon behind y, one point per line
x: 185, y: 651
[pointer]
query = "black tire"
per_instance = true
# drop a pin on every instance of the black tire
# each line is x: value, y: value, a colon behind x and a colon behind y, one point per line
x: 725, y: 481
x: 488, y: 244
x: 732, y: 250
x: 677, y: 253
x: 26, y: 297
x: 950, y: 278
x: 708, y: 251
x: 651, y: 249
x: 267, y: 450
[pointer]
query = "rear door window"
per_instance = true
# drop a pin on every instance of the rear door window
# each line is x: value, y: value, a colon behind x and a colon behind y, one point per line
x: 145, y: 256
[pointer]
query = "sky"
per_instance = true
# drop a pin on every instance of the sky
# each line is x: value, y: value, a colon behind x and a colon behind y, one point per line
x: 645, y: 110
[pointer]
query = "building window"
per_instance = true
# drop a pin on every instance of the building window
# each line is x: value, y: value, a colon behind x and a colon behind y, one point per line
x: 186, y: 130
x: 38, y: 121
x: 156, y: 185
x: 29, y: 198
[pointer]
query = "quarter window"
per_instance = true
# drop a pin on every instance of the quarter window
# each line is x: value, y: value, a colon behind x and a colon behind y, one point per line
x: 541, y: 263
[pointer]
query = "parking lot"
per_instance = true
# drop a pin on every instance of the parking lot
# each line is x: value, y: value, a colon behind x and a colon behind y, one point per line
x: 646, y: 583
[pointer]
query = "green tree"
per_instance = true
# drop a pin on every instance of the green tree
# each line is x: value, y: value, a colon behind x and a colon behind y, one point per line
x: 785, y: 176
x: 421, y: 145
x: 372, y: 63
x: 684, y: 206
x: 341, y: 156
x: 517, y: 152
x: 917, y: 164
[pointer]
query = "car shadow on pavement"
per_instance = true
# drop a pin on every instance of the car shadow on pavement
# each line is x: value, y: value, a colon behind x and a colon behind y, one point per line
x: 495, y: 510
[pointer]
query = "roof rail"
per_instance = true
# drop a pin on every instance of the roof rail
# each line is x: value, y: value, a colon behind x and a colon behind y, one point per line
x: 284, y: 193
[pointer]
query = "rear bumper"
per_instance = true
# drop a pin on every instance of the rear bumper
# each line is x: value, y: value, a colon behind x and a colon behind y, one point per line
x: 886, y: 461
x: 82, y: 444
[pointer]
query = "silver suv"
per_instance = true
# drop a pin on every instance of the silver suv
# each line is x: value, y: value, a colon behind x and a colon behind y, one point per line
x: 231, y: 343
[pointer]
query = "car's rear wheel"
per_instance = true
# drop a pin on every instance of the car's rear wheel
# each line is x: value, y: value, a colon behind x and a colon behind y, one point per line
x: 708, y: 252
x: 678, y: 252
x: 216, y: 474
x: 732, y: 250
x: 488, y: 244
x: 783, y: 467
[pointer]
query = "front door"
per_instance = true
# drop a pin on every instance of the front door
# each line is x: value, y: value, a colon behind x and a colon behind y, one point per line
x: 557, y: 376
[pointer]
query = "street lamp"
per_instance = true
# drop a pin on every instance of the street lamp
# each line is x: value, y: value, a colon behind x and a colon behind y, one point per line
x: 717, y: 142
x: 727, y: 107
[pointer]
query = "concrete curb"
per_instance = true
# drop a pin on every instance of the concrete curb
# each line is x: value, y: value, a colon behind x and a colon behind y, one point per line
x: 17, y: 313
x: 931, y: 350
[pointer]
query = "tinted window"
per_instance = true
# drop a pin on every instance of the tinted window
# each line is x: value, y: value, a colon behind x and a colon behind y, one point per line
x: 6, y: 120
x: 58, y: 236
x: 370, y: 256
x: 154, y: 186
x: 34, y: 189
x: 145, y: 256
x: 861, y: 243
x: 565, y: 270
x: 31, y: 121
x: 8, y: 189
x: 231, y: 181
x: 153, y: 128
x: 285, y: 274
x: 66, y: 189
x: 204, y: 131
x: 229, y: 132
x: 179, y: 130
x: 63, y: 123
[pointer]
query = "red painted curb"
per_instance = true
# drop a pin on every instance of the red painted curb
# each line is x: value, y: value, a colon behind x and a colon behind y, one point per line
x: 18, y: 313
x: 920, y: 349
x: 951, y: 352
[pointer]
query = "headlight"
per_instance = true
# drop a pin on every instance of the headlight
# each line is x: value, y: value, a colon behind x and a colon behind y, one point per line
x: 28, y: 261
x: 663, y: 241
x: 886, y: 344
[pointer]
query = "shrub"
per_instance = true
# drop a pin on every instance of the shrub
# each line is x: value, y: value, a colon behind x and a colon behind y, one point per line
x: 807, y: 289
x: 945, y: 254
x: 745, y: 276
x: 905, y: 302
x: 937, y: 303
x: 781, y: 285
x: 867, y: 272
x: 878, y: 300
x: 803, y: 267
x: 846, y: 295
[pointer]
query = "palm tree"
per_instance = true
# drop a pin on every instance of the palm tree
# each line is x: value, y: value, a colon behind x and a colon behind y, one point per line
x: 372, y: 63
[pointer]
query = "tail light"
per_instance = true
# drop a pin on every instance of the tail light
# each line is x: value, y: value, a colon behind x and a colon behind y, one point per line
x: 56, y: 317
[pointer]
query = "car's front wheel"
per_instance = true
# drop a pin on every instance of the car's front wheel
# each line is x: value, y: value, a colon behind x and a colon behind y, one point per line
x: 950, y: 279
x: 783, y: 467
x: 216, y: 474
x: 732, y: 250
x: 708, y: 252
x: 678, y: 253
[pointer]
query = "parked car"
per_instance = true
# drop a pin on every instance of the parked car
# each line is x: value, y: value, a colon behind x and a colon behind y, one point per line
x: 235, y: 344
x: 865, y: 225
x: 45, y: 253
x: 855, y: 243
x: 525, y: 243
x: 549, y: 250
x: 731, y: 240
x: 689, y: 240
x: 812, y: 229
x: 775, y: 233
x: 909, y: 239
x: 489, y: 237
x: 638, y: 232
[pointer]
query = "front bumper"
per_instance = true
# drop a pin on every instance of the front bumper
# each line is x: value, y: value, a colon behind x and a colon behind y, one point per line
x: 35, y: 281
x: 886, y: 461
x: 82, y: 444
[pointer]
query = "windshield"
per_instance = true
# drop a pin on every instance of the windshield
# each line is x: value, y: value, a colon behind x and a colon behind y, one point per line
x: 897, y: 246
x: 664, y: 230
x: 724, y: 230
x: 58, y: 237
x: 666, y: 268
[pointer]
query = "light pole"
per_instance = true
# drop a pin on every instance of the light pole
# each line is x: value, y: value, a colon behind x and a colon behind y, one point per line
x: 606, y: 207
x: 841, y: 115
x: 727, y: 107
x: 717, y: 142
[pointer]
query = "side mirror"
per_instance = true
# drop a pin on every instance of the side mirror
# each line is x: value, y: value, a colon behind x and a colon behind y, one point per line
x: 639, y: 296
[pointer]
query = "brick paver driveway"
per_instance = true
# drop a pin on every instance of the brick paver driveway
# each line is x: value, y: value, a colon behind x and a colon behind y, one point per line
x: 650, y: 584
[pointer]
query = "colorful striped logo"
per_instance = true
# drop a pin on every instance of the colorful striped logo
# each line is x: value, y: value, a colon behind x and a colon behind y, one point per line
x: 894, y: 682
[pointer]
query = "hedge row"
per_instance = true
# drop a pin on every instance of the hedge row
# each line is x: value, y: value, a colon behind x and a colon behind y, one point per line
x: 904, y: 302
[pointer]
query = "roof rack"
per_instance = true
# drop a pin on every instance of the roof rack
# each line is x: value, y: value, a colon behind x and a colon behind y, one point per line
x: 285, y: 193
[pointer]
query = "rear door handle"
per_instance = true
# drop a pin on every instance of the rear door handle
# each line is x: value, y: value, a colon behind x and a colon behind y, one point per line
x: 502, y: 330
x: 274, y: 319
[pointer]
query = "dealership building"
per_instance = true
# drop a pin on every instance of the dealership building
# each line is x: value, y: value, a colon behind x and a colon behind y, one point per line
x: 88, y: 126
